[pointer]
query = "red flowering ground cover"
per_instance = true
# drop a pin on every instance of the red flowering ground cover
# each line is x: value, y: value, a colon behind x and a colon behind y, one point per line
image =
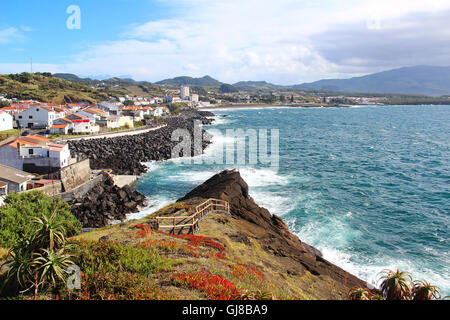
x: 244, y: 270
x: 144, y: 230
x: 196, y: 241
x: 214, y: 287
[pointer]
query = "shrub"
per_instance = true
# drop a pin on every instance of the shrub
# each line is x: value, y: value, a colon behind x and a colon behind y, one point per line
x: 20, y: 209
x: 116, y: 257
x: 39, y: 260
x: 116, y: 271
x: 397, y: 285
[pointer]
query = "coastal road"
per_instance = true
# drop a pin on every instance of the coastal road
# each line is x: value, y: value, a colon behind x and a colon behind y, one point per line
x: 112, y: 135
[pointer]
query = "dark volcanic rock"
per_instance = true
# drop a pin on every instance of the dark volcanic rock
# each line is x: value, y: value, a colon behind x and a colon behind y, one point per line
x: 125, y: 154
x: 270, y: 230
x: 105, y: 203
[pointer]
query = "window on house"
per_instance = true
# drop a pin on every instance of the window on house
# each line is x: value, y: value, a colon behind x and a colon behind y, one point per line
x: 30, y: 151
x: 20, y: 117
x: 31, y: 117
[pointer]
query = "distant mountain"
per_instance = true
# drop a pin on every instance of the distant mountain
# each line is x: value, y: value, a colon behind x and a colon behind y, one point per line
x: 256, y: 85
x: 205, y: 81
x: 102, y: 77
x: 228, y: 88
x: 419, y: 80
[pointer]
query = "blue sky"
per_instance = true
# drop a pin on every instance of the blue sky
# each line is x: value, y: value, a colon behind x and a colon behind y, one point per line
x: 283, y: 41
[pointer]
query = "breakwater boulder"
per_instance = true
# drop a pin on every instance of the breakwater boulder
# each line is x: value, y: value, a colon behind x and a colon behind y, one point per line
x: 105, y: 203
x: 125, y: 154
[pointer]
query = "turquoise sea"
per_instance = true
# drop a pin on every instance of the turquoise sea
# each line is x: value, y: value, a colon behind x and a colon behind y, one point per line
x: 368, y: 186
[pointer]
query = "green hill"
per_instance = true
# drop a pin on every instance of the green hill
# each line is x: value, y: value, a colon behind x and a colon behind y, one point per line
x: 44, y: 87
x: 121, y: 86
x: 205, y: 81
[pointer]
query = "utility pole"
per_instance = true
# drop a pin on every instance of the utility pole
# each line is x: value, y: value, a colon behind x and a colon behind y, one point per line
x: 31, y: 60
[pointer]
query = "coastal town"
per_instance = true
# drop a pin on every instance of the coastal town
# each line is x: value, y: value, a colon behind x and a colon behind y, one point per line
x: 34, y: 137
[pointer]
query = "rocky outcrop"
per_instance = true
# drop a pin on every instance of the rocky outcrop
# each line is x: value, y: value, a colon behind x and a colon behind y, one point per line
x: 105, y: 203
x: 269, y: 230
x: 125, y: 154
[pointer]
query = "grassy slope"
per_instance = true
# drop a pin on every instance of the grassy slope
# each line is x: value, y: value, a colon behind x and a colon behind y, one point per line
x: 262, y: 271
x: 48, y: 89
x: 59, y: 91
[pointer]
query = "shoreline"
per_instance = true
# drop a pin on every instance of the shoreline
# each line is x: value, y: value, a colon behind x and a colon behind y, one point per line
x: 265, y: 106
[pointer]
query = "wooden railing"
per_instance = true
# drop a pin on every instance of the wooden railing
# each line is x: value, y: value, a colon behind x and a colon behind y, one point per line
x: 192, y: 222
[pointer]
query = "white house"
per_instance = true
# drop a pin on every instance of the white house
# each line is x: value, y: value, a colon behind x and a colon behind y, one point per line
x: 35, y: 154
x: 6, y: 121
x: 85, y: 126
x: 194, y: 98
x: 172, y: 99
x: 36, y: 116
x: 62, y: 128
x: 13, y: 180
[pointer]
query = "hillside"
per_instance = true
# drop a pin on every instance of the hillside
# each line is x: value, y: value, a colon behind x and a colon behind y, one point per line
x: 118, y: 86
x: 205, y: 81
x: 43, y: 87
x: 250, y: 253
x: 257, y: 86
x: 420, y: 80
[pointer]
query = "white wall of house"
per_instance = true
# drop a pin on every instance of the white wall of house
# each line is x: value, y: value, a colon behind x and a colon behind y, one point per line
x: 40, y: 156
x: 64, y: 130
x: 126, y: 120
x: 6, y: 121
x: 63, y: 156
x: 9, y: 156
x: 85, y: 127
x: 36, y: 116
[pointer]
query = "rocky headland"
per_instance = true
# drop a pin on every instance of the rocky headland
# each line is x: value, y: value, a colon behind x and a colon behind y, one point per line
x: 251, y: 250
x: 269, y: 230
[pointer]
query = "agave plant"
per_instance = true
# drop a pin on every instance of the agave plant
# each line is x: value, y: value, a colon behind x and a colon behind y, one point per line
x: 51, y: 266
x: 50, y: 234
x: 425, y: 291
x: 19, y: 267
x: 359, y: 294
x: 396, y: 285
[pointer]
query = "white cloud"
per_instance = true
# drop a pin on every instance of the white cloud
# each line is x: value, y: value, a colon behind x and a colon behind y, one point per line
x: 283, y: 41
x: 9, y: 35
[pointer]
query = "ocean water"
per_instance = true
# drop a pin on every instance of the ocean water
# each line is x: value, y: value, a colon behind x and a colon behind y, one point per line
x: 368, y: 186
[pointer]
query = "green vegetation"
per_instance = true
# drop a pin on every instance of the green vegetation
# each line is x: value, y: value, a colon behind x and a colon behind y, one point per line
x: 397, y: 285
x: 8, y: 133
x: 16, y: 216
x: 205, y: 81
x: 114, y: 271
x: 228, y: 88
x: 39, y: 260
x: 4, y: 104
x: 43, y: 87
